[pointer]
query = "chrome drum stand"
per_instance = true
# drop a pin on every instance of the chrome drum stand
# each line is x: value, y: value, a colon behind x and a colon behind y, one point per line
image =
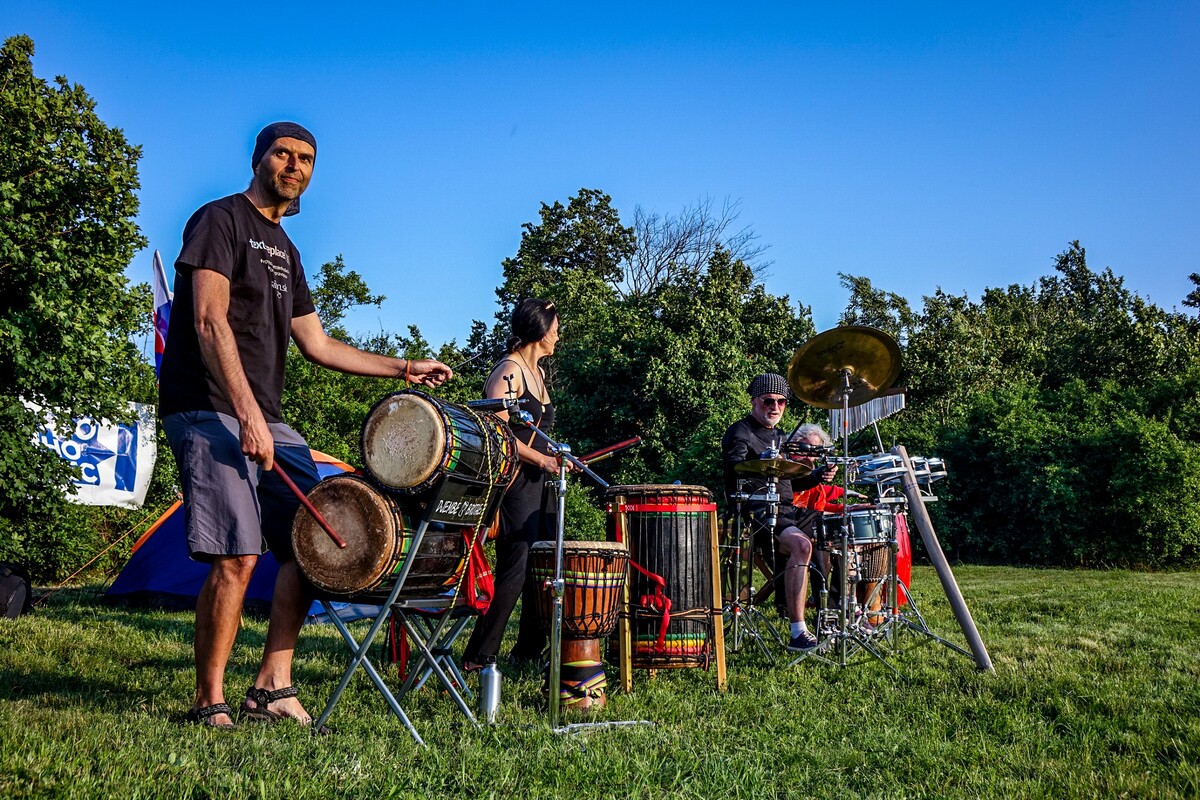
x: 743, y: 621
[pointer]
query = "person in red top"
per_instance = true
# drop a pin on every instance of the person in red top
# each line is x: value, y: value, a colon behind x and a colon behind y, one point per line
x: 819, y: 498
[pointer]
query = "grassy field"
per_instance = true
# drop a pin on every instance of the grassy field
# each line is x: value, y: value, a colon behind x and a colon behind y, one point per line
x: 1096, y: 693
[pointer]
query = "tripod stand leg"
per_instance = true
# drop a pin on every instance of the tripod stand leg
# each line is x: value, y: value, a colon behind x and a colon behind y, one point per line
x: 922, y: 628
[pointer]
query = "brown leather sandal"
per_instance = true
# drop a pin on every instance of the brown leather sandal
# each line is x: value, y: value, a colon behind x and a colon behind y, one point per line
x: 257, y: 700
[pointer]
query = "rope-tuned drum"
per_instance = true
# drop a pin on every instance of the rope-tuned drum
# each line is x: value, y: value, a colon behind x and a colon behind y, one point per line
x: 674, y: 593
x: 594, y: 575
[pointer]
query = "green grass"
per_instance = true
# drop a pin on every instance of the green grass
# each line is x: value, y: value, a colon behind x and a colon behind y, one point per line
x: 1096, y: 693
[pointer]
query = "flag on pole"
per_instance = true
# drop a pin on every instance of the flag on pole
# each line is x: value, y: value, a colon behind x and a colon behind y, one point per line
x: 162, y: 311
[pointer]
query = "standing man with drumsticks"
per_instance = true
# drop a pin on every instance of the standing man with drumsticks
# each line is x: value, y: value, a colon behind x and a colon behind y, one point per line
x: 240, y: 296
x: 746, y: 440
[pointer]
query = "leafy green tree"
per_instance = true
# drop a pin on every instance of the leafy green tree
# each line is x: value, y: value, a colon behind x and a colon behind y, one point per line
x: 1193, y: 298
x: 668, y: 356
x: 876, y: 308
x: 67, y: 316
x: 1039, y: 397
x: 572, y: 256
x: 327, y: 407
x: 1070, y: 476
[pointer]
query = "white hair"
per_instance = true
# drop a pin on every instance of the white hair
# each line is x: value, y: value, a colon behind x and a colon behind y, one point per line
x: 804, y: 431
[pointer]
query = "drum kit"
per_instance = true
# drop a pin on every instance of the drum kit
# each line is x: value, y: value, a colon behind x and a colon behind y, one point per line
x: 863, y: 599
x: 401, y: 536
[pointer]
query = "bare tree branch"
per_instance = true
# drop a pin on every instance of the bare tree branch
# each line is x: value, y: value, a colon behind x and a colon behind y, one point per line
x: 669, y: 245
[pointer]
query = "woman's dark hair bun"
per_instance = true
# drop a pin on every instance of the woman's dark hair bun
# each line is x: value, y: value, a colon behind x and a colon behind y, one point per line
x: 531, y: 321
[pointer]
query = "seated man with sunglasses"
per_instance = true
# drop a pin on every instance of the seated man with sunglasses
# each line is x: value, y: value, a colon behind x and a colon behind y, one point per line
x: 745, y: 440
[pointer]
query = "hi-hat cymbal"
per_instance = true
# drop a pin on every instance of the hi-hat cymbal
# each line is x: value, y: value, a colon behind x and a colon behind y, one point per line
x: 871, y: 357
x: 774, y: 468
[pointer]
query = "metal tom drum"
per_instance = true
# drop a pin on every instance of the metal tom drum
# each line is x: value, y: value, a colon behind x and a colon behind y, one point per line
x: 871, y: 525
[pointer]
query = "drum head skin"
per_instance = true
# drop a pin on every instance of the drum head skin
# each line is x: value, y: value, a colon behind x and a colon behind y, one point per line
x: 365, y: 518
x: 569, y: 547
x: 404, y: 440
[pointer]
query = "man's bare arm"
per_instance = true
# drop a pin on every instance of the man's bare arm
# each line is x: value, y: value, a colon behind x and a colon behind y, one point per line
x: 219, y: 350
x: 320, y: 348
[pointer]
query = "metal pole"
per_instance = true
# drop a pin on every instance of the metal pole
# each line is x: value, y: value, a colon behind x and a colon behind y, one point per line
x: 556, y: 589
x: 921, y: 518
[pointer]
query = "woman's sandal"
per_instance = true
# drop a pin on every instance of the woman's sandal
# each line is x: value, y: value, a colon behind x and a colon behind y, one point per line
x: 203, y: 716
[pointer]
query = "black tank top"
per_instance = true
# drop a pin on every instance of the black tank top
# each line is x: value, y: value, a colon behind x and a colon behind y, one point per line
x: 543, y: 418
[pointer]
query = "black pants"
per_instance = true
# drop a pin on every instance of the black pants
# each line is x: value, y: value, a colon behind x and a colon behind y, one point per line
x: 522, y: 522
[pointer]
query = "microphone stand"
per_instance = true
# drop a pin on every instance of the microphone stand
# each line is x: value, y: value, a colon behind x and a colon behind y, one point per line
x: 744, y: 618
x: 556, y: 585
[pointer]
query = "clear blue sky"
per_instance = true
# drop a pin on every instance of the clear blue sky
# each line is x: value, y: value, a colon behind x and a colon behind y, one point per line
x: 959, y: 145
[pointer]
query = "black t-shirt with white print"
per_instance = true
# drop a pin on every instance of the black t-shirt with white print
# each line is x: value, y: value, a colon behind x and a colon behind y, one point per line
x: 267, y: 289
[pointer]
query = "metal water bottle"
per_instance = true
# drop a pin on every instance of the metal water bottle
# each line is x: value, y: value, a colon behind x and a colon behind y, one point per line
x: 489, y: 690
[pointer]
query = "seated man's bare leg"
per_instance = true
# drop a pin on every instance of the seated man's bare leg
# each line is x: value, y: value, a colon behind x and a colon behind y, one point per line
x: 798, y: 549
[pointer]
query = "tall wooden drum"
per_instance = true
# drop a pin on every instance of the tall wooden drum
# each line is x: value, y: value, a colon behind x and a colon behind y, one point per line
x: 672, y: 614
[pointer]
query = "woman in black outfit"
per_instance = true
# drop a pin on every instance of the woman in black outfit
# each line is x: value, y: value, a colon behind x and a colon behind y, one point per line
x: 522, y: 521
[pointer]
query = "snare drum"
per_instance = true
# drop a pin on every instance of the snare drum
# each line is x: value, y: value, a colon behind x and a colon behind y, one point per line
x: 410, y: 440
x: 871, y: 525
x: 378, y: 534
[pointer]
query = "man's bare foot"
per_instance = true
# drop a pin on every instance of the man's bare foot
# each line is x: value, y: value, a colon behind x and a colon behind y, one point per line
x: 265, y: 705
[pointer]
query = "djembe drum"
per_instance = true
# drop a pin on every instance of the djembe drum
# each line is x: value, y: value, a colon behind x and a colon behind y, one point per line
x: 410, y: 440
x: 593, y: 580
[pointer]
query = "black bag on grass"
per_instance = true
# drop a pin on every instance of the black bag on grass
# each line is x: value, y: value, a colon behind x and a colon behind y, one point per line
x: 15, y: 597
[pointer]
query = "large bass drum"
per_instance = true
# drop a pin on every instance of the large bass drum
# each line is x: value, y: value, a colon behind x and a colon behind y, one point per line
x: 378, y: 533
x: 668, y: 530
x: 410, y: 440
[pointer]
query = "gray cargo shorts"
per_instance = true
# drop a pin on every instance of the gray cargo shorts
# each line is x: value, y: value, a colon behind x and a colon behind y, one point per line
x: 232, y: 507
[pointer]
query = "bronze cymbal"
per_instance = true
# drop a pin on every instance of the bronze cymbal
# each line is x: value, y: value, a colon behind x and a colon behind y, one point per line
x: 871, y: 357
x: 774, y: 468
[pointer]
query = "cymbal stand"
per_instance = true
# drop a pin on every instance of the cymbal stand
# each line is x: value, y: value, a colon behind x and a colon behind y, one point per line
x: 840, y: 635
x: 899, y: 618
x: 902, y: 618
x: 557, y: 586
x: 741, y: 617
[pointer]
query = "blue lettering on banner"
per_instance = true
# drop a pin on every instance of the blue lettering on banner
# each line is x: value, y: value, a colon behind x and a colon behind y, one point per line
x: 85, y: 451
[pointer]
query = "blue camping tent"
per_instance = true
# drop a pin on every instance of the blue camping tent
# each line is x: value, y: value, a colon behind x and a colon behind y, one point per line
x: 160, y: 573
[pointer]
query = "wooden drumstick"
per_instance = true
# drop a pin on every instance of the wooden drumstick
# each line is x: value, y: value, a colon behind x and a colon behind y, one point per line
x: 339, y: 541
x: 611, y: 450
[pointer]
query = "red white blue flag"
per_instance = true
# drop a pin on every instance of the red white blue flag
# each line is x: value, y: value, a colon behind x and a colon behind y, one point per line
x: 162, y: 311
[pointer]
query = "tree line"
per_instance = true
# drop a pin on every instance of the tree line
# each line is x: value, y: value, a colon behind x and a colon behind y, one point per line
x: 1068, y: 411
